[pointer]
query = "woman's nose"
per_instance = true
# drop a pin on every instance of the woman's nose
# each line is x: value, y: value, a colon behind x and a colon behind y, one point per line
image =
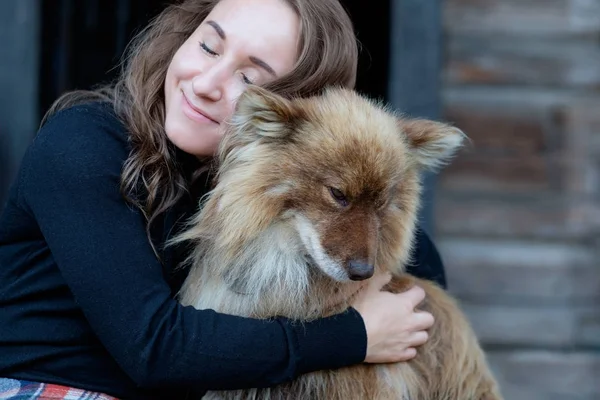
x: 210, y: 83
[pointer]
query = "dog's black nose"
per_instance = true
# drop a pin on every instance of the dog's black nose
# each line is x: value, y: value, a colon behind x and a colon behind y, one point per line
x: 360, y: 270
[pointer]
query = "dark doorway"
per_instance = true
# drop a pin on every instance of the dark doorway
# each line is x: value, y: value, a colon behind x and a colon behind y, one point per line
x: 82, y: 42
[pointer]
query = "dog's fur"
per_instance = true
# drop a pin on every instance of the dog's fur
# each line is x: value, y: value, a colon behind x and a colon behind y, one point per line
x: 306, y: 186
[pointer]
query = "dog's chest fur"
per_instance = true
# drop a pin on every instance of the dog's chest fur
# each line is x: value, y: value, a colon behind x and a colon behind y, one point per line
x: 272, y: 277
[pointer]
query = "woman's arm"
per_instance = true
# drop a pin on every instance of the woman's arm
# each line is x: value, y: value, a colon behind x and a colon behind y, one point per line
x: 426, y: 262
x: 70, y: 184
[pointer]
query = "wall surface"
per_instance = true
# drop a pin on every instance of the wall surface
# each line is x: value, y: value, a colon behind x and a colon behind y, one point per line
x: 517, y: 214
x: 19, y: 27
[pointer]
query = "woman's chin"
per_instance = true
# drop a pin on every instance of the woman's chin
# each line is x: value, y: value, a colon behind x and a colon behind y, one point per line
x: 198, y: 142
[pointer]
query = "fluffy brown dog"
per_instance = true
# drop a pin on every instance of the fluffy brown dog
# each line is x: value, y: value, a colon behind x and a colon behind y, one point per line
x: 313, y: 197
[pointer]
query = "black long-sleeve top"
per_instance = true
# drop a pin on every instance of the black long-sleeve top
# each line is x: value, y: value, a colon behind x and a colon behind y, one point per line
x: 85, y: 302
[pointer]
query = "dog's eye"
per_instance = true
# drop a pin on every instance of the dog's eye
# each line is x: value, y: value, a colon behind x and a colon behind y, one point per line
x: 339, y: 196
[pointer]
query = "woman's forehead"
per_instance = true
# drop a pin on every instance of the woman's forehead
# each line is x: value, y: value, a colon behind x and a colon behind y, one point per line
x: 265, y: 29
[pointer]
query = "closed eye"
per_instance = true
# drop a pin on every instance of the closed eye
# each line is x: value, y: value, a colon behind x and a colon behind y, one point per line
x: 213, y: 53
x: 246, y: 80
x: 208, y: 50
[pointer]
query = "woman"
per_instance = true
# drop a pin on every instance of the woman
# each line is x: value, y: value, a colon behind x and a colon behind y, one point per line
x: 86, y: 286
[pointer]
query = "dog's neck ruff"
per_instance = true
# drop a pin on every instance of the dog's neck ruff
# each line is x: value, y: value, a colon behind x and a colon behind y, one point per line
x: 269, y: 276
x: 236, y: 286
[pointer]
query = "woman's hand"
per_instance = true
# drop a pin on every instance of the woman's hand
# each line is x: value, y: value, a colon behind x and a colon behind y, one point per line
x: 394, y: 328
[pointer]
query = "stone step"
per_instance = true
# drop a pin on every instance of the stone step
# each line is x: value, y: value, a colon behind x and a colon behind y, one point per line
x: 525, y: 271
x: 547, y: 375
x: 497, y: 216
x: 567, y: 326
x: 528, y: 61
x: 523, y: 142
x: 533, y: 17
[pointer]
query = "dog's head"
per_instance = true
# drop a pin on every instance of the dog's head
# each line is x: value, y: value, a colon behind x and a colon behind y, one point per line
x: 340, y: 169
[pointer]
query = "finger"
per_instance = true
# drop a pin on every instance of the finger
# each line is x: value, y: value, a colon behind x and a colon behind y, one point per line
x: 415, y: 294
x: 379, y: 281
x: 423, y: 320
x: 407, y: 354
x: 419, y: 338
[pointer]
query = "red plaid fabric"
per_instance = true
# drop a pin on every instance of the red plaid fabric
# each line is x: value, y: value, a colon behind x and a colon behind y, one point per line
x: 14, y: 389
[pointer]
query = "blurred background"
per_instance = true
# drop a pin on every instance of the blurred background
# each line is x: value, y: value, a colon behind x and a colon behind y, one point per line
x: 516, y: 216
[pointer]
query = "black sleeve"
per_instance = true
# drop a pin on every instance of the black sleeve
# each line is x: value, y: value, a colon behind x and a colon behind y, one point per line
x: 71, y: 184
x: 426, y: 262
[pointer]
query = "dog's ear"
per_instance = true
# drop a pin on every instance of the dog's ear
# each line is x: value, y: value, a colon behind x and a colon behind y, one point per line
x: 432, y: 143
x: 265, y: 114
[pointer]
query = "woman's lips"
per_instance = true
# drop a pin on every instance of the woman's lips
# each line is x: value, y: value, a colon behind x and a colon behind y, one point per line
x: 194, y: 112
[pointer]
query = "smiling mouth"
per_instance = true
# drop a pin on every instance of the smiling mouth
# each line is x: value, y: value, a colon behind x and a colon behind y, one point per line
x: 193, y: 112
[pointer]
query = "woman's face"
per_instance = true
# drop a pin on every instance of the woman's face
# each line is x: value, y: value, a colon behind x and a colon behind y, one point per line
x: 240, y: 42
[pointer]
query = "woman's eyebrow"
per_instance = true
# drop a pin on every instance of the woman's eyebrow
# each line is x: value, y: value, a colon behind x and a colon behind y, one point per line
x: 218, y: 28
x: 255, y: 60
x: 263, y: 65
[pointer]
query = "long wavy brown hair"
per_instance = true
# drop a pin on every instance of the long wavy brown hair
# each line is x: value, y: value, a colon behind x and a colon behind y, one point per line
x: 151, y: 180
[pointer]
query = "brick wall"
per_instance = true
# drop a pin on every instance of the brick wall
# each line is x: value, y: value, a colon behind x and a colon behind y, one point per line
x: 518, y: 212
